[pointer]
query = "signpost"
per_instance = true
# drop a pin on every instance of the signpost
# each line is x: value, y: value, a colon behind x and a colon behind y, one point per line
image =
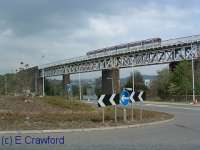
x: 132, y: 102
x: 124, y: 100
x: 108, y: 100
x: 131, y: 97
x: 136, y: 96
x: 113, y: 91
x: 114, y: 104
x: 101, y: 104
x: 141, y: 101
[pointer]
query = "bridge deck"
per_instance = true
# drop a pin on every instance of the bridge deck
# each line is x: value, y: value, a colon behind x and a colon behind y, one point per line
x: 169, y: 50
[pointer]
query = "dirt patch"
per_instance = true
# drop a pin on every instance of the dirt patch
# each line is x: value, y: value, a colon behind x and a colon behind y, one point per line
x: 18, y: 113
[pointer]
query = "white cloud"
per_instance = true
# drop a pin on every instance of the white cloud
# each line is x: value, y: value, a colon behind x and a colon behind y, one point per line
x: 106, y: 27
x: 6, y: 33
x: 60, y: 36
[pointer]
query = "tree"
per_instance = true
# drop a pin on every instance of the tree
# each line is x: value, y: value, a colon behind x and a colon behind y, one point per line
x: 53, y: 87
x: 177, y: 82
x: 2, y: 85
x: 162, y: 83
x: 8, y: 84
x: 98, y: 87
x: 24, y: 79
x: 197, y: 76
x: 75, y: 90
x: 182, y: 78
x: 138, y: 82
x: 172, y: 89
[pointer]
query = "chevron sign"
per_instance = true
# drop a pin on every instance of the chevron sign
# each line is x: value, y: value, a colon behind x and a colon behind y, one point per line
x: 136, y: 96
x: 114, y: 99
x: 108, y: 100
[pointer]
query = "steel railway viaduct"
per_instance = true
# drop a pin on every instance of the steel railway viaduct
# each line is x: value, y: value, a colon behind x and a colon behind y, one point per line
x: 168, y: 51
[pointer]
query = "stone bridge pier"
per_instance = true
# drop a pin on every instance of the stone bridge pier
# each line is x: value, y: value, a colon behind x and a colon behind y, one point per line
x: 110, y: 81
x: 67, y: 86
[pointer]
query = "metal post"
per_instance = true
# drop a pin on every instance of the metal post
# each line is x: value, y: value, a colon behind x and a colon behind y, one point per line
x: 80, y: 90
x: 113, y: 91
x: 125, y: 116
x: 43, y: 78
x: 115, y: 113
x: 133, y: 78
x: 141, y: 111
x: 103, y: 116
x: 132, y: 111
x: 193, y: 84
x: 133, y: 82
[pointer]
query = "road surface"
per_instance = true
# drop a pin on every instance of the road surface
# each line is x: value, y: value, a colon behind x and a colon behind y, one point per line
x: 181, y: 134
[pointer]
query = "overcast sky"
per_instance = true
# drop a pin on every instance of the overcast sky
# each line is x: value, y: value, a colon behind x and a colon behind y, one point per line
x: 60, y: 29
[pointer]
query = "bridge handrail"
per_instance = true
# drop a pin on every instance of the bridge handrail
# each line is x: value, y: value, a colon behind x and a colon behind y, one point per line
x: 188, y: 39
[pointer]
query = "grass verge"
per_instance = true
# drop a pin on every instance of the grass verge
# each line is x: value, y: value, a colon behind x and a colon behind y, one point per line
x: 57, y: 113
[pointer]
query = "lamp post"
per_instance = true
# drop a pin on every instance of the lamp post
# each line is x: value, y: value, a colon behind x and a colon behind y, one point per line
x: 43, y: 78
x: 133, y: 82
x: 193, y: 84
x: 43, y: 82
x: 80, y: 90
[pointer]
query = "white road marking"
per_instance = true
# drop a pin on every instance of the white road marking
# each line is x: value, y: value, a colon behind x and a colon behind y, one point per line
x: 169, y: 106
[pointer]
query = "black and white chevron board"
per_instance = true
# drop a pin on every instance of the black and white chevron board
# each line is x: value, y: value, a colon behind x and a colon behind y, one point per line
x: 108, y: 100
x: 136, y: 96
x: 114, y: 99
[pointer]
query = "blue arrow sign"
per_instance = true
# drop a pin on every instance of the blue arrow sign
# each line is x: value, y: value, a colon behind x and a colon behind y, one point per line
x: 124, y: 97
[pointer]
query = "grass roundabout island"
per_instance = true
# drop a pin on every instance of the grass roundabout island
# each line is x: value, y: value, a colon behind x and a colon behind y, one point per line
x: 51, y: 113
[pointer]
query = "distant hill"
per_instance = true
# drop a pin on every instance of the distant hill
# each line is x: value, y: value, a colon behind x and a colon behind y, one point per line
x: 92, y: 81
x: 146, y: 77
x: 149, y: 77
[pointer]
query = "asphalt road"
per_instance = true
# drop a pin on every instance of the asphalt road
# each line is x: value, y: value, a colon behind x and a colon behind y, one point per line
x: 181, y: 134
